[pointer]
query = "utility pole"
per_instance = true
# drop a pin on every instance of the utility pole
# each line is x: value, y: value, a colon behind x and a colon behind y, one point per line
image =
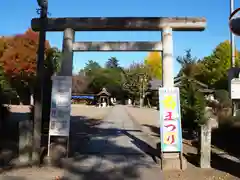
x: 39, y: 85
x: 232, y: 42
x: 232, y: 38
x: 140, y: 90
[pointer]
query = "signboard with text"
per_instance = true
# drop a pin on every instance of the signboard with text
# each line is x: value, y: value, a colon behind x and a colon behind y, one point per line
x: 235, y: 89
x: 170, y: 120
x: 60, y: 106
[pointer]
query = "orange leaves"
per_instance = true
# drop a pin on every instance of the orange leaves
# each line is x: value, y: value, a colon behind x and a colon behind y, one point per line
x: 19, y: 56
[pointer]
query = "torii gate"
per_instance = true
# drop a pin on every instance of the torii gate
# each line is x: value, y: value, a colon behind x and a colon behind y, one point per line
x: 164, y: 24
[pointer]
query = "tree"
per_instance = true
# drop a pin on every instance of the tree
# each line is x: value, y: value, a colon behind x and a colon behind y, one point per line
x: 192, y: 104
x: 221, y: 106
x: 108, y: 76
x: 192, y: 100
x: 19, y: 59
x: 135, y: 78
x: 19, y: 62
x: 214, y: 67
x: 80, y: 84
x: 94, y: 72
x: 112, y: 62
x: 154, y: 64
x: 3, y: 46
x: 6, y: 91
x: 92, y: 65
x: 189, y: 65
x: 52, y: 62
x: 51, y: 66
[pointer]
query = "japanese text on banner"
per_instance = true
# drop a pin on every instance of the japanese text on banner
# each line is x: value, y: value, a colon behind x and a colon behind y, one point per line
x: 170, y: 119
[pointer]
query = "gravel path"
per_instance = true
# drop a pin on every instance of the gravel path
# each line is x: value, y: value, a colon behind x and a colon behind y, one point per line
x: 113, y: 149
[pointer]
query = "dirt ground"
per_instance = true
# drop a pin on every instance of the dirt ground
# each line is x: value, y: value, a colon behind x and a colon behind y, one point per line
x: 44, y: 173
x: 222, y: 169
x: 89, y: 111
x: 77, y: 110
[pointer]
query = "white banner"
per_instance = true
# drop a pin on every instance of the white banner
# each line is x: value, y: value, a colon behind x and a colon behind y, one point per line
x: 170, y: 119
x: 60, y: 106
x: 235, y: 89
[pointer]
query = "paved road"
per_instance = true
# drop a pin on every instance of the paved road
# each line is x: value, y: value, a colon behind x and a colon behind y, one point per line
x: 113, y: 149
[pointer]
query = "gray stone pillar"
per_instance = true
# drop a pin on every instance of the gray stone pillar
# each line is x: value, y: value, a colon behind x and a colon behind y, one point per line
x: 167, y: 59
x: 67, y: 54
x: 25, y: 142
x: 205, y: 160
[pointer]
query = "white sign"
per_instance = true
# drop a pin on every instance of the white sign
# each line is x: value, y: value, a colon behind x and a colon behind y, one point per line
x: 60, y: 106
x: 235, y: 89
x: 59, y: 128
x: 62, y: 99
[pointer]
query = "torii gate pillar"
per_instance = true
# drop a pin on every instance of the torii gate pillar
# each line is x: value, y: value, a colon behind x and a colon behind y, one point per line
x: 167, y: 57
x: 67, y: 55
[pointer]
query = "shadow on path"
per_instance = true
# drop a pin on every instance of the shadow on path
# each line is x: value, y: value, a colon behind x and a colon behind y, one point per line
x: 96, y: 153
x: 9, y: 138
x: 98, y: 150
x: 217, y: 162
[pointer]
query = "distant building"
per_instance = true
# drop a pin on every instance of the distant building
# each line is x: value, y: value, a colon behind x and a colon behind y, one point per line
x: 155, y: 84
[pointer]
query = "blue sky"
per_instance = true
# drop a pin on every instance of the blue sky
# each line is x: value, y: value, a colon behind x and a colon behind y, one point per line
x: 16, y: 16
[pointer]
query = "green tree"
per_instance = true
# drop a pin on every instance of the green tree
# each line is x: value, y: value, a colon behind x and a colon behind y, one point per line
x: 192, y: 104
x: 189, y: 65
x: 135, y: 79
x: 214, y: 67
x: 109, y: 77
x: 53, y: 60
x: 192, y: 100
x: 92, y: 65
x: 100, y: 77
x: 52, y: 66
x: 6, y: 92
x: 112, y: 62
x: 94, y: 72
x: 91, y: 68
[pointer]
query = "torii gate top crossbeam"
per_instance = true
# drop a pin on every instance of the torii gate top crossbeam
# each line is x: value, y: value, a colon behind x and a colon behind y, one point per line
x: 117, y: 46
x: 122, y: 23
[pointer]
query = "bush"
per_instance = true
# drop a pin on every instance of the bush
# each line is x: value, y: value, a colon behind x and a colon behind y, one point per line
x: 226, y: 136
x: 222, y: 96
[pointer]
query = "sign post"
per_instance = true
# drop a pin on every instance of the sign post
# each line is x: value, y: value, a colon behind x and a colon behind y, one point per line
x: 60, y: 108
x: 170, y: 122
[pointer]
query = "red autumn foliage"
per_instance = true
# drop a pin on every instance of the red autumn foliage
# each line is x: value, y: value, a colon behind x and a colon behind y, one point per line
x: 19, y: 56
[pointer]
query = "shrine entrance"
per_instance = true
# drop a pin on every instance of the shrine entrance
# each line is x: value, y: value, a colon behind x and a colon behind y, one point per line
x: 103, y: 98
x: 70, y: 25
